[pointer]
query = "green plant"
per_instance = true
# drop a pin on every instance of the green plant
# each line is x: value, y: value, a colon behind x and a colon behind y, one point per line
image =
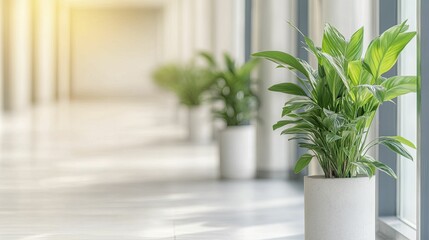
x: 165, y: 76
x: 334, y: 105
x: 233, y: 88
x: 189, y: 82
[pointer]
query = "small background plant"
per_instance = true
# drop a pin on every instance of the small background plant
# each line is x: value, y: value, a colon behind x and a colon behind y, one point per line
x: 334, y: 105
x: 233, y: 88
x: 190, y: 83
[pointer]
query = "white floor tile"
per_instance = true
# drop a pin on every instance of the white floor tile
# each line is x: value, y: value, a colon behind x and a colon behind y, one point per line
x: 124, y: 171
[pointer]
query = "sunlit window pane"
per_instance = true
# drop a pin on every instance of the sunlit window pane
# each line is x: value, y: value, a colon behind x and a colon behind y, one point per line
x: 408, y: 121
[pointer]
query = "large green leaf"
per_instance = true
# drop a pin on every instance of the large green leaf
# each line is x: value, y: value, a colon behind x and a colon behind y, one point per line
x: 399, y: 85
x: 301, y: 128
x: 289, y: 88
x: 296, y: 105
x: 395, y: 145
x: 283, y: 123
x: 334, y: 121
x: 247, y: 68
x: 333, y: 80
x: 355, y: 46
x: 330, y: 137
x: 368, y: 169
x: 402, y: 140
x: 336, y: 66
x: 209, y: 59
x: 309, y: 69
x: 333, y: 42
x: 230, y: 63
x: 302, y: 162
x: 311, y: 48
x: 283, y: 59
x: 367, y: 160
x: 383, y: 51
x: 354, y: 71
x: 379, y: 92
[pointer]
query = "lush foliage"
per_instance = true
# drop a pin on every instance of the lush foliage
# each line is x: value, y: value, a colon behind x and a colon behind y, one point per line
x: 190, y: 83
x: 334, y: 105
x: 233, y: 88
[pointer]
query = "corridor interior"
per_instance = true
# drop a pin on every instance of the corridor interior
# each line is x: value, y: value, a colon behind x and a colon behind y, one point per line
x: 111, y: 170
x: 93, y: 148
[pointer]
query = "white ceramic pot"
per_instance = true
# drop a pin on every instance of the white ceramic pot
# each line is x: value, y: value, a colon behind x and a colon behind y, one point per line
x: 200, y: 128
x: 237, y: 152
x: 340, y: 208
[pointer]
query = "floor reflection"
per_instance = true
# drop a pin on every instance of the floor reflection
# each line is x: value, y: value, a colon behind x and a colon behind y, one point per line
x: 122, y: 170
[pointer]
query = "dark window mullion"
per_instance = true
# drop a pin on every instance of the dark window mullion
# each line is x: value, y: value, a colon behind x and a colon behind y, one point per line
x: 248, y: 29
x: 423, y: 121
x: 387, y: 118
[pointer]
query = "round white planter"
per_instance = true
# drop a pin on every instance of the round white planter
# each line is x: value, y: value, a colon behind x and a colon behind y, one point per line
x: 237, y: 152
x: 340, y: 208
x: 200, y: 129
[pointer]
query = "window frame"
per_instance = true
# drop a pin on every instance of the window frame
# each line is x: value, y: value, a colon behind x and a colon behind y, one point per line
x: 248, y: 8
x: 388, y: 115
x: 389, y: 224
x: 422, y: 117
x: 387, y: 189
x: 402, y: 162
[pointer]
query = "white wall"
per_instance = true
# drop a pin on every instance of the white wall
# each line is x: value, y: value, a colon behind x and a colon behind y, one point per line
x: 114, y: 51
x: 44, y: 64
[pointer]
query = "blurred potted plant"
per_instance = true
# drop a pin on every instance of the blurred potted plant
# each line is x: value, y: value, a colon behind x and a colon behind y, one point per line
x: 191, y: 84
x: 330, y: 115
x: 237, y: 109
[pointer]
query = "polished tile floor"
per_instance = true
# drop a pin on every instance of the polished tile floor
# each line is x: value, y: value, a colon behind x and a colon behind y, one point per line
x: 123, y: 171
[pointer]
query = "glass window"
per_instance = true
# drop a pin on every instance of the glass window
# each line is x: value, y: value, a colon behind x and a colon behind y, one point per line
x: 407, y: 114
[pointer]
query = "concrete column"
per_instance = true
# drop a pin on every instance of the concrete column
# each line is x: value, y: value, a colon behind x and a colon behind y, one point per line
x: 187, y: 26
x: 63, y: 86
x: 44, y: 51
x: 347, y: 17
x: 2, y: 74
x: 363, y: 13
x: 171, y: 31
x: 18, y: 54
x: 228, y: 28
x: 239, y: 13
x: 275, y: 154
x: 203, y: 31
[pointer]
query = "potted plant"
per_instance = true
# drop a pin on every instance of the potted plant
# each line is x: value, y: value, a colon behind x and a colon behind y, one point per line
x: 191, y: 84
x: 237, y: 105
x: 330, y: 115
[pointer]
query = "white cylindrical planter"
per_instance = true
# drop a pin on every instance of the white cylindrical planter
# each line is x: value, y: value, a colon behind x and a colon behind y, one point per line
x: 200, y: 124
x: 237, y: 152
x: 339, y: 208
